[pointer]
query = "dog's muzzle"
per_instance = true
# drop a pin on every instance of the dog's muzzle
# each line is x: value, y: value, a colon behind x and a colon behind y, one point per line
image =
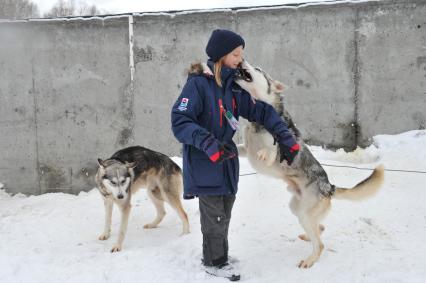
x: 243, y: 74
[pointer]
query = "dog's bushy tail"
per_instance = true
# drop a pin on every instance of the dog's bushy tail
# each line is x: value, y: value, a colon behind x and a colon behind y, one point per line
x: 366, y: 189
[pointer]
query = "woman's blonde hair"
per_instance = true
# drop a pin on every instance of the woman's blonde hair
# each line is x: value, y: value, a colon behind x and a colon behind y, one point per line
x: 218, y: 70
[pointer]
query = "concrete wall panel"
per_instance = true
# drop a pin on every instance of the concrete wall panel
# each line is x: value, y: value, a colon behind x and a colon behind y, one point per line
x: 310, y: 50
x: 392, y: 56
x: 75, y: 74
x: 18, y: 143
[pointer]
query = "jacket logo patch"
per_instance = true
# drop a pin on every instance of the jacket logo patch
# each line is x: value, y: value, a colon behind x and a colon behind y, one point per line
x: 183, y: 104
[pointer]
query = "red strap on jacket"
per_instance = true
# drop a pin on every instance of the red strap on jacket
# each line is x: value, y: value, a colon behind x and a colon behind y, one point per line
x: 221, y: 110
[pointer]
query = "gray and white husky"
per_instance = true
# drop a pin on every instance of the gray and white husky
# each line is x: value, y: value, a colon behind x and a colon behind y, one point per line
x: 306, y: 179
x: 125, y: 172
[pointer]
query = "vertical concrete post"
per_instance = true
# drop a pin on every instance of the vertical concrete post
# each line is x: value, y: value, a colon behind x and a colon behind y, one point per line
x: 131, y: 55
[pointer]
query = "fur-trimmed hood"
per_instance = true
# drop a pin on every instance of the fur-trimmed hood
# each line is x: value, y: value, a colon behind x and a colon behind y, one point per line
x: 198, y: 68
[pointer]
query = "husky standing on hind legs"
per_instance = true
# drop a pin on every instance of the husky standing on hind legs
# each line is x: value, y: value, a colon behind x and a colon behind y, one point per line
x: 124, y: 173
x: 305, y: 177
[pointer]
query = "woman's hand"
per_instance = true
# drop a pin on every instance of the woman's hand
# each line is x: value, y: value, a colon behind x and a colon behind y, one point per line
x: 288, y: 153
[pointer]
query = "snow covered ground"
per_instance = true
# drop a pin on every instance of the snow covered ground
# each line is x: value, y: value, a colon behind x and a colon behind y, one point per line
x: 53, y: 237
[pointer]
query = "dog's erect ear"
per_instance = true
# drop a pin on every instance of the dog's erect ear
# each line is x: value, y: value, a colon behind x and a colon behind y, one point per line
x: 277, y: 87
x: 131, y: 165
x: 101, y: 163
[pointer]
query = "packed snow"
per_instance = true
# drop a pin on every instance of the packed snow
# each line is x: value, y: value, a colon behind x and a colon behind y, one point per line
x: 54, y: 237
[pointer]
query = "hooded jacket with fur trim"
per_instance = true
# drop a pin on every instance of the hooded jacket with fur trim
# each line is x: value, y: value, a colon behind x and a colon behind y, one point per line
x: 199, y: 123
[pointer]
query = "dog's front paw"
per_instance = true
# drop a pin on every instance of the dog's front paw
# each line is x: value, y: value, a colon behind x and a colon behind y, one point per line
x: 116, y: 248
x: 104, y: 236
x: 149, y: 226
x: 307, y: 263
x: 262, y: 154
x: 267, y: 156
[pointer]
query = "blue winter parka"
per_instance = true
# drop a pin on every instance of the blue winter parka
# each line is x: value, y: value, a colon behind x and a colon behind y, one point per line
x: 199, y: 123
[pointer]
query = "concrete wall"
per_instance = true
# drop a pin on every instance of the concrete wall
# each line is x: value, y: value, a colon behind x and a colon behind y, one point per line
x: 63, y: 101
x: 391, y: 68
x: 68, y: 93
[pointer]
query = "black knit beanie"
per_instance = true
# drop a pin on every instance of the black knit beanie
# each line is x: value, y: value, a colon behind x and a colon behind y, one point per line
x: 222, y: 42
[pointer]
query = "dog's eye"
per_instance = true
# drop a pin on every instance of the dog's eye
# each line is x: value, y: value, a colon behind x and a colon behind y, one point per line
x: 112, y: 182
x: 122, y: 182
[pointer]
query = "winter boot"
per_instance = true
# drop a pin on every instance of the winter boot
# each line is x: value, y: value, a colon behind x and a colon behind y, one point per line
x: 226, y: 270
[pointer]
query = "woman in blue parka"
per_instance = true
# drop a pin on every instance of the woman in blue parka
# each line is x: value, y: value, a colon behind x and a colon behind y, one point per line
x: 203, y: 120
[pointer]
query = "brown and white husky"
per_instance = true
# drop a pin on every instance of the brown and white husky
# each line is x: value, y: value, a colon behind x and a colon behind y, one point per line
x: 130, y: 169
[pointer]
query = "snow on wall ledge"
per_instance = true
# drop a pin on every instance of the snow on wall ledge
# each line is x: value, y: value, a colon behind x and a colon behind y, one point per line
x: 76, y: 89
